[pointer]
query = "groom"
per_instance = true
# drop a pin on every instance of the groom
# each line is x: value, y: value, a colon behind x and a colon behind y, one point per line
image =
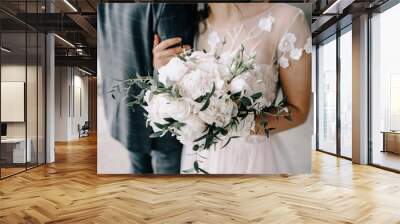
x: 126, y: 41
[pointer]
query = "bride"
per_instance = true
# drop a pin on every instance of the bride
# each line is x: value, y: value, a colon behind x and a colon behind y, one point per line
x: 280, y: 37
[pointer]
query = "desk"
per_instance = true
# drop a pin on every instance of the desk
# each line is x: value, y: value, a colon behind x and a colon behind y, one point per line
x: 391, y: 141
x: 13, y: 150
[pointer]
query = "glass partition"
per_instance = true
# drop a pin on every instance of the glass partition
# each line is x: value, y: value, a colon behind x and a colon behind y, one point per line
x: 22, y: 78
x: 327, y: 96
x: 14, y: 153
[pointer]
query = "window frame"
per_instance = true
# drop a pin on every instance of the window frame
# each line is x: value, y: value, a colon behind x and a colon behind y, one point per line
x: 334, y: 37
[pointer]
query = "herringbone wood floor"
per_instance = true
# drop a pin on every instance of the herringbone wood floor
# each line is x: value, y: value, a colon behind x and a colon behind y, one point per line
x: 70, y: 191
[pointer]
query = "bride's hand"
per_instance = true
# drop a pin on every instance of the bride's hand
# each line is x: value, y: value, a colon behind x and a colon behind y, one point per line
x: 163, y: 51
x: 258, y: 128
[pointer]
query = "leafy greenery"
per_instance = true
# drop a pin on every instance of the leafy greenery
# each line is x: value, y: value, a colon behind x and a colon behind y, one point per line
x: 133, y: 92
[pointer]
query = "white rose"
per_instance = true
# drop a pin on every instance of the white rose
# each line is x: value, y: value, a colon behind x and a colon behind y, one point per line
x: 219, y: 111
x: 192, y: 130
x: 172, y: 72
x: 247, y: 83
x: 242, y: 83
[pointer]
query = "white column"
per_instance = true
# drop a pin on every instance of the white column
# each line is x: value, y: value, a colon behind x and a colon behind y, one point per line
x: 50, y: 99
x: 360, y: 90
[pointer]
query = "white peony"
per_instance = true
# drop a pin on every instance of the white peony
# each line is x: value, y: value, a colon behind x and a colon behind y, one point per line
x: 178, y: 109
x: 197, y: 83
x: 162, y: 106
x: 219, y: 112
x: 153, y: 109
x: 207, y: 65
x: 193, y: 129
x: 287, y: 42
x: 226, y: 58
x: 172, y: 72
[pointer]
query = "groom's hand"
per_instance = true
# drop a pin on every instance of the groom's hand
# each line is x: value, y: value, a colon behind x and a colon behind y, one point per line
x: 163, y: 51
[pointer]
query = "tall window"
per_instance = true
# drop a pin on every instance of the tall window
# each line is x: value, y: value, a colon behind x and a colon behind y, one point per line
x: 327, y: 96
x: 385, y: 89
x: 346, y: 93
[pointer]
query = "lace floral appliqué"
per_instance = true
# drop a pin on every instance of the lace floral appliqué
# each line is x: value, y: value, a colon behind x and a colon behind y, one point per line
x: 283, y: 62
x: 287, y: 47
x: 287, y: 42
x: 308, y: 46
x: 265, y: 23
x: 296, y: 53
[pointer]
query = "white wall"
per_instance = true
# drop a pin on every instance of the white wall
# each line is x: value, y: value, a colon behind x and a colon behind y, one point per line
x: 70, y: 83
x: 34, y: 125
x: 18, y: 73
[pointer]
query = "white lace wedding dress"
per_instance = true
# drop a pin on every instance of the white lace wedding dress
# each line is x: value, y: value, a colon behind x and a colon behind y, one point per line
x: 279, y: 36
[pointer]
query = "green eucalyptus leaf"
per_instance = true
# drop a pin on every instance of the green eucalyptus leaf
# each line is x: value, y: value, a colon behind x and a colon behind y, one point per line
x: 157, y: 134
x: 196, y: 166
x: 201, y: 138
x: 256, y: 96
x: 160, y: 126
x: 199, y: 99
x: 245, y: 101
x: 169, y: 120
x: 205, y: 106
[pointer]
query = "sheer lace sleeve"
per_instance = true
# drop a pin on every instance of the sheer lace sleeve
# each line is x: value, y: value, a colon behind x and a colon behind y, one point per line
x: 295, y: 41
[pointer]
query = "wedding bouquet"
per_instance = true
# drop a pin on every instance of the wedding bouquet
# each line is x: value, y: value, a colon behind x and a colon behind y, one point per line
x: 205, y: 99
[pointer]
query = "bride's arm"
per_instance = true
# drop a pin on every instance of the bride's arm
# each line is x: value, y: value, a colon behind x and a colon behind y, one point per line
x: 294, y: 58
x: 296, y: 85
